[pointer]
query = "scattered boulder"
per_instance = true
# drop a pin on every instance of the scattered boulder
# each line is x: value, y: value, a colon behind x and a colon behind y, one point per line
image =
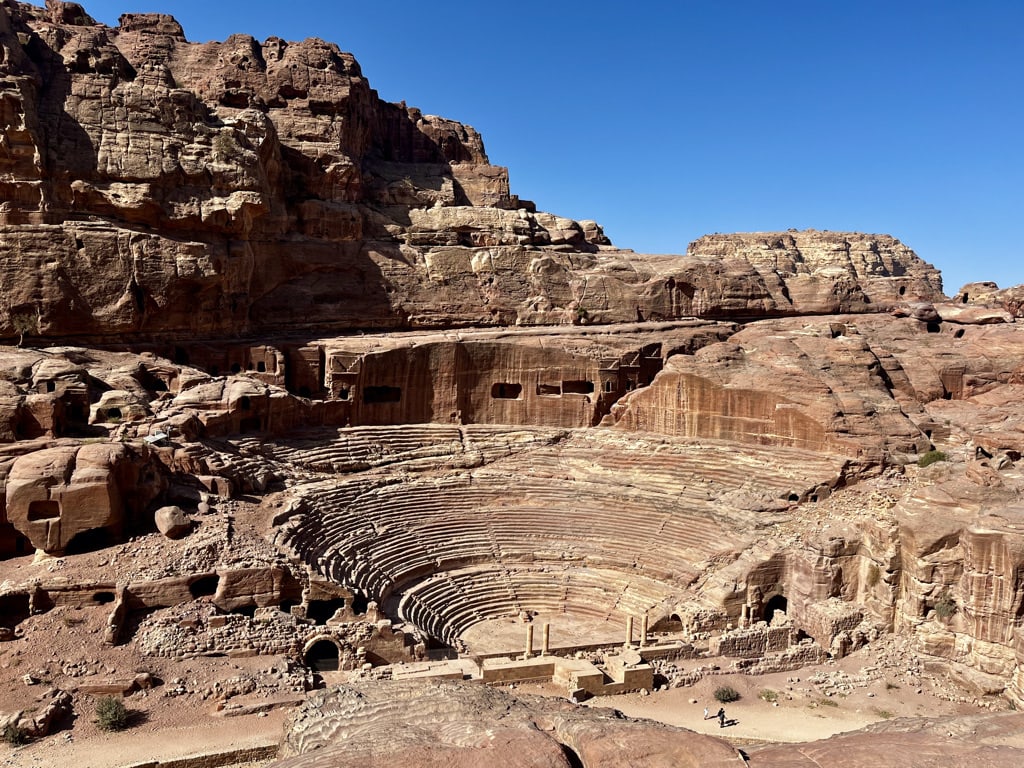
x: 172, y: 522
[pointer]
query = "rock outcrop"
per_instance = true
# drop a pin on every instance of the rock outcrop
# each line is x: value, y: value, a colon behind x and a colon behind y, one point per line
x: 450, y: 724
x: 155, y: 187
x: 57, y: 494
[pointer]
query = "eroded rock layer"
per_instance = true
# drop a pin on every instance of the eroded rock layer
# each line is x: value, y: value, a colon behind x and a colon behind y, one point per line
x: 450, y: 724
x: 155, y: 187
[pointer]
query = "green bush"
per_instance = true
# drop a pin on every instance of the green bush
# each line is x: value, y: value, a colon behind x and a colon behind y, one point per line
x: 930, y: 458
x: 726, y: 693
x: 14, y: 736
x: 111, y: 714
x: 945, y: 606
x: 769, y: 695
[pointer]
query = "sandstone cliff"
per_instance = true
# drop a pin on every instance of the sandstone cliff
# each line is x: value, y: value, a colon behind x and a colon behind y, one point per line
x: 157, y: 188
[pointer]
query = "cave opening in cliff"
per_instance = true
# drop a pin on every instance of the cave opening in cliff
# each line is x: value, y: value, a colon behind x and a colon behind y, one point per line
x: 777, y: 603
x: 959, y: 334
x: 577, y: 387
x: 204, y: 586
x: 43, y: 510
x: 382, y: 394
x: 503, y: 391
x: 934, y: 327
x: 319, y: 611
x: 103, y: 598
x: 322, y: 656
x: 551, y: 390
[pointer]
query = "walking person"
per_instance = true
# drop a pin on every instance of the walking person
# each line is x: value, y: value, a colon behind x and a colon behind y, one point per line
x: 721, y: 717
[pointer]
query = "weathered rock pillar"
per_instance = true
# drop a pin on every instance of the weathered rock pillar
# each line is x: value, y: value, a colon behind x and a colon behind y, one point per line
x: 529, y: 641
x: 643, y: 631
x: 744, y: 615
x: 629, y: 631
x: 545, y: 647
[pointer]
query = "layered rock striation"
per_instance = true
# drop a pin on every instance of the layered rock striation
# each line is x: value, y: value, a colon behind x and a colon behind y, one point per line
x: 158, y: 188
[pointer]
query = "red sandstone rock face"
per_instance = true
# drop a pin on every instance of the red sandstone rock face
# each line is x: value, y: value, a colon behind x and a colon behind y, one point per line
x: 55, y: 494
x: 813, y: 384
x: 448, y: 724
x: 991, y: 740
x: 265, y: 186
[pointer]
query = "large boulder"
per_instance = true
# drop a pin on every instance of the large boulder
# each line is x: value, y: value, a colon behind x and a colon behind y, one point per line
x: 57, y: 494
x: 172, y: 522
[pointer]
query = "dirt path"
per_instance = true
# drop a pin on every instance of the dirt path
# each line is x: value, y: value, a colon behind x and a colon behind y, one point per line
x: 132, y: 747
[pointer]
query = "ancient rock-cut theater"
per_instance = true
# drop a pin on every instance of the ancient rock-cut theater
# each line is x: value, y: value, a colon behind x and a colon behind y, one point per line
x: 292, y: 372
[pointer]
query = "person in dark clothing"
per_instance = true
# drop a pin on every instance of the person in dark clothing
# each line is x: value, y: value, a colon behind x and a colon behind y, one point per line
x: 721, y: 717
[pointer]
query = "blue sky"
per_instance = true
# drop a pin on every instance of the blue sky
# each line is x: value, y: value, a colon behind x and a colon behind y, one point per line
x: 665, y: 121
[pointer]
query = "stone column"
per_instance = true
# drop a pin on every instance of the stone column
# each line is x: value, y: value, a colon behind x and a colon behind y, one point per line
x: 629, y: 631
x: 545, y: 647
x: 529, y: 641
x: 643, y: 631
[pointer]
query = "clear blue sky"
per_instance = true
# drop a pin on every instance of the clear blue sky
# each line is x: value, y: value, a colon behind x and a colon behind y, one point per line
x: 665, y: 121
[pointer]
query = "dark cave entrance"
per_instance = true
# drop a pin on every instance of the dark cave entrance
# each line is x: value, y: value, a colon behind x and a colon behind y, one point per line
x: 322, y: 656
x: 204, y: 586
x: 321, y: 610
x: 775, y: 603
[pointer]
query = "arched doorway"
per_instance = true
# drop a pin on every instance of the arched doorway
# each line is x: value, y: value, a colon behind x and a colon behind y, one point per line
x: 322, y: 655
x: 775, y: 603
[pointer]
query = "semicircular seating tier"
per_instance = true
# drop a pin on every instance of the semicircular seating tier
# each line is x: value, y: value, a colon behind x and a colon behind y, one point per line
x: 449, y: 526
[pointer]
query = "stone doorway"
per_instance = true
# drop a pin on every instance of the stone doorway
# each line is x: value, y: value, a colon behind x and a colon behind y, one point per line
x: 322, y: 656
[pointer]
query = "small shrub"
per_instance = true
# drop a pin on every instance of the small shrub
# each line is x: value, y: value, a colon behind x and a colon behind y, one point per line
x: 885, y: 714
x: 945, y: 606
x: 26, y: 324
x: 828, y: 703
x: 891, y: 687
x: 769, y: 695
x: 726, y: 694
x: 930, y: 458
x: 14, y: 735
x: 225, y: 147
x: 111, y: 714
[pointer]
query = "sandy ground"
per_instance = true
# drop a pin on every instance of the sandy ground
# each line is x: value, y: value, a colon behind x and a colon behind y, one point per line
x: 177, y: 728
x: 794, y: 707
x: 141, y: 744
x: 800, y: 711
